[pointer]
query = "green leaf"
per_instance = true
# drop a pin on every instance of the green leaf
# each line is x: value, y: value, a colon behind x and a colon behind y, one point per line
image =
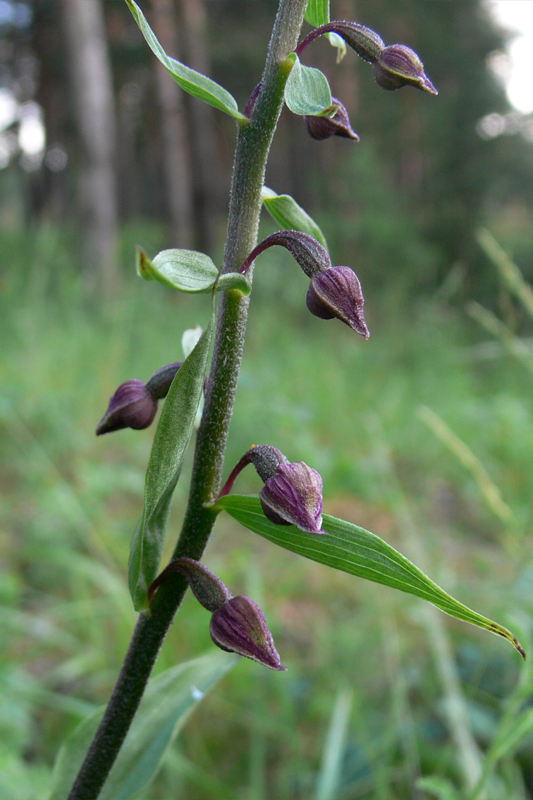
x: 185, y: 270
x: 188, y: 271
x: 287, y: 213
x: 358, y: 552
x: 166, y: 704
x: 317, y: 12
x: 172, y: 436
x: 307, y: 90
x: 190, y: 81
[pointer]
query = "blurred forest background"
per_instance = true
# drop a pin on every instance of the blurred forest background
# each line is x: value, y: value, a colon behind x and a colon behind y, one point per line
x: 423, y: 435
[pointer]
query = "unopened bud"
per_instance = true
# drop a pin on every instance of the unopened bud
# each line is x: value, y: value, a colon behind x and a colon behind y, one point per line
x: 336, y: 292
x: 338, y: 125
x: 240, y: 627
x: 132, y: 406
x: 397, y: 66
x: 293, y: 496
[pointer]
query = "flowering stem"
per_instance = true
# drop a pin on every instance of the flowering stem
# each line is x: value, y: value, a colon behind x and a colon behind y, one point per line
x: 253, y: 144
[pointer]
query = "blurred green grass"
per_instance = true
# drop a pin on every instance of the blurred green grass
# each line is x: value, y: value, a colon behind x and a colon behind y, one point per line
x: 350, y: 409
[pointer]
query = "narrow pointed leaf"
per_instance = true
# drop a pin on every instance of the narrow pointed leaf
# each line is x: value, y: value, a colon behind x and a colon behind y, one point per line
x: 168, y: 701
x: 307, y: 90
x: 290, y: 216
x: 173, y: 434
x: 190, y: 81
x: 356, y: 551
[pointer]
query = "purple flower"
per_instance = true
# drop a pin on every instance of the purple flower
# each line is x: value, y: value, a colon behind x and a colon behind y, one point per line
x: 337, y: 125
x: 240, y: 627
x: 293, y: 496
x: 397, y: 65
x: 336, y: 292
x: 132, y: 406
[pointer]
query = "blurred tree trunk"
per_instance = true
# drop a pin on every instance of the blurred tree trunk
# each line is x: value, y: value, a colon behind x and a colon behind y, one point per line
x: 176, y: 156
x: 91, y: 79
x: 203, y: 140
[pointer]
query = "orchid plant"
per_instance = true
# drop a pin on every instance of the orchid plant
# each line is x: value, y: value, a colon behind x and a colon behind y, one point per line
x: 288, y: 509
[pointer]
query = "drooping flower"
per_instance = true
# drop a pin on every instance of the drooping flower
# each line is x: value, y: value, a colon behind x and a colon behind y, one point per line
x: 240, y: 627
x: 336, y: 292
x: 397, y: 66
x: 338, y: 125
x: 134, y: 404
x: 237, y: 624
x: 292, y: 494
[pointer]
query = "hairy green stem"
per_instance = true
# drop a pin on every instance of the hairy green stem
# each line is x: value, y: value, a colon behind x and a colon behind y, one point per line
x: 253, y: 144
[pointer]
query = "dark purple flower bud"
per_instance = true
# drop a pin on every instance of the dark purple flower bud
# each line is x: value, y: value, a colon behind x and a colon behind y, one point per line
x: 293, y: 496
x: 132, y: 406
x: 397, y: 66
x: 337, y: 125
x: 336, y: 292
x: 240, y: 627
x: 208, y: 589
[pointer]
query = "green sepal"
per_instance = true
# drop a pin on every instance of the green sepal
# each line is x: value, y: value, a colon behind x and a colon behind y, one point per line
x: 167, y: 703
x: 190, y: 81
x: 173, y: 434
x: 307, y: 90
x: 188, y: 271
x: 352, y: 549
x: 286, y: 212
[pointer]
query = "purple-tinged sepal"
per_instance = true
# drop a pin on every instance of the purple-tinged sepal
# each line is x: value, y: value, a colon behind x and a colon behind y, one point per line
x: 397, y: 66
x: 240, y: 627
x: 132, y: 406
x: 336, y: 292
x: 293, y: 496
x: 338, y: 125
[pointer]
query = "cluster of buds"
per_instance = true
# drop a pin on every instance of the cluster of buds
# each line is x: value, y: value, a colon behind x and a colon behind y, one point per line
x: 333, y: 292
x: 134, y: 404
x: 237, y: 623
x: 292, y: 494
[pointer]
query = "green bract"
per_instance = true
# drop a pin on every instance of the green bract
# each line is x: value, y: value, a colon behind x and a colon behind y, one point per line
x: 291, y: 216
x: 358, y: 552
x: 167, y: 703
x: 190, y: 81
x: 172, y: 436
x: 188, y: 271
x: 307, y: 90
